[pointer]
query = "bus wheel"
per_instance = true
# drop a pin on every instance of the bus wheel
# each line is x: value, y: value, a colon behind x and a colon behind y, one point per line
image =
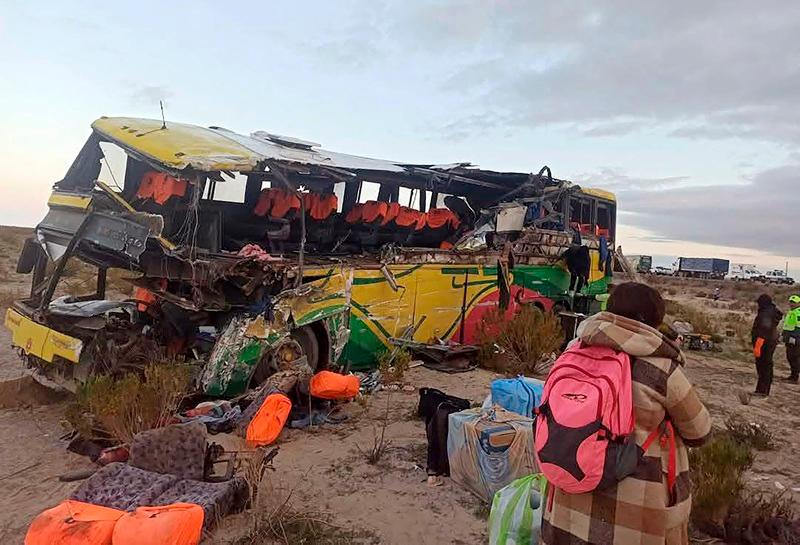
x: 307, y: 339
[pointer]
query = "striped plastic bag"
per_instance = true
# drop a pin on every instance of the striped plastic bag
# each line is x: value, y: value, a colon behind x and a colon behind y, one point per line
x: 516, y: 515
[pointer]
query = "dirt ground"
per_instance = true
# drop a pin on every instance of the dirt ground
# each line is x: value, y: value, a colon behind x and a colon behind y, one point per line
x: 324, y: 472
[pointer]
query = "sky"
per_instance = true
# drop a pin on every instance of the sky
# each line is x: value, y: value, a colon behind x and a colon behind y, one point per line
x: 687, y: 110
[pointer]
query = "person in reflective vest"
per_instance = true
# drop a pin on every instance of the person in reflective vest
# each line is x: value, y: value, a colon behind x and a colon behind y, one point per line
x: 791, y: 338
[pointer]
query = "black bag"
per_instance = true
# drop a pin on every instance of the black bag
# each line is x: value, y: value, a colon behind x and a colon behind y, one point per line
x: 431, y: 398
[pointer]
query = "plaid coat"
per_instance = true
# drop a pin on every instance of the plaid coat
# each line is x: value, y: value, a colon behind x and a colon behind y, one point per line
x: 638, y: 510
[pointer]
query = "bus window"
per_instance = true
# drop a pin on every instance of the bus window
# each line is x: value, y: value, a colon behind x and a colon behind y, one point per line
x: 369, y: 191
x: 603, y: 219
x: 411, y: 198
x: 231, y: 189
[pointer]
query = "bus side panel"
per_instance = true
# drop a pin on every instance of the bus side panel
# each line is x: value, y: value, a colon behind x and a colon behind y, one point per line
x: 442, y: 292
x: 378, y: 312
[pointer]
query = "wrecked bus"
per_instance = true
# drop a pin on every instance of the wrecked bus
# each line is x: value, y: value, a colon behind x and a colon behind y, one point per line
x: 250, y: 253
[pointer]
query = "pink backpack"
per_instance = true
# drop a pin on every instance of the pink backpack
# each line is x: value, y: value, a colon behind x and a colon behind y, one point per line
x: 584, y: 425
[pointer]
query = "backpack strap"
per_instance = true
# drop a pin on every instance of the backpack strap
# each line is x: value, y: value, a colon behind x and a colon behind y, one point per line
x: 665, y: 432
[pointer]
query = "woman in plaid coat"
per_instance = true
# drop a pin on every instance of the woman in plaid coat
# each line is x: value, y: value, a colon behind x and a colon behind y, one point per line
x: 640, y: 509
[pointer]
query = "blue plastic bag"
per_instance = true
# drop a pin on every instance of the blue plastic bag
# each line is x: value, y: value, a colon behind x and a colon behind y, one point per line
x: 520, y: 395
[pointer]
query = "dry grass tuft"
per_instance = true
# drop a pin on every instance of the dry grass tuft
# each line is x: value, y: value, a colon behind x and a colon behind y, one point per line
x: 717, y: 470
x: 121, y: 408
x: 756, y: 435
x: 379, y: 442
x: 393, y: 364
x: 519, y: 346
x: 294, y: 527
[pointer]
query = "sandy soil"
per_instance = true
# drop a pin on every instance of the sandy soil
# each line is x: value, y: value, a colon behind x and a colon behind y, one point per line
x: 324, y: 471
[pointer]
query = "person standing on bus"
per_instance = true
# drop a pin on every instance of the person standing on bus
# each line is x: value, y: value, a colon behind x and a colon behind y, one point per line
x: 791, y: 338
x: 765, y: 338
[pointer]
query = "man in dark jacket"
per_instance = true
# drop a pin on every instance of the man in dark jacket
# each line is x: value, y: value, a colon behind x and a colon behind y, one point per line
x: 765, y: 339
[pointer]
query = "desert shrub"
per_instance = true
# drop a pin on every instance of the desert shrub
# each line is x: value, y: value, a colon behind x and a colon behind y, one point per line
x: 121, y: 408
x: 758, y: 518
x: 393, y: 364
x: 701, y: 321
x: 287, y: 525
x: 717, y: 470
x: 521, y: 345
x: 753, y: 434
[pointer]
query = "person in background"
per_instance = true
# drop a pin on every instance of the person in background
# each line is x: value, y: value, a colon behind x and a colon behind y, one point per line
x: 640, y: 508
x: 765, y: 338
x: 717, y: 292
x: 791, y: 338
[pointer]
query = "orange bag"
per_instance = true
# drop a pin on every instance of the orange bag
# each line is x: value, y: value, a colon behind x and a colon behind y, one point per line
x: 266, y: 425
x: 329, y: 385
x: 73, y: 523
x: 175, y: 524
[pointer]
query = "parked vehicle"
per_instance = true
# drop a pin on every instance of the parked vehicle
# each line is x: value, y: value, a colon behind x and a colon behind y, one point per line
x: 778, y: 276
x: 640, y: 263
x: 702, y: 267
x: 663, y: 271
x: 744, y: 271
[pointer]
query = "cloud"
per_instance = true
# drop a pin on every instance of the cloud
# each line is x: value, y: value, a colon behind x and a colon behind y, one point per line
x: 759, y: 212
x: 712, y: 69
x: 149, y: 95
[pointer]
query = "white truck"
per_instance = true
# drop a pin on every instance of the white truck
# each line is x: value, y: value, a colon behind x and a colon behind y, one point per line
x: 778, y: 276
x: 744, y: 271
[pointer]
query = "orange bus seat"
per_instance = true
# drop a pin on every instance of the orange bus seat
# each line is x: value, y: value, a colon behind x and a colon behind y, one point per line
x: 283, y: 202
x: 392, y: 210
x: 441, y: 217
x: 160, y: 187
x: 264, y: 203
x: 144, y: 298
x: 321, y: 206
x: 407, y: 217
x: 374, y: 211
x: 354, y: 215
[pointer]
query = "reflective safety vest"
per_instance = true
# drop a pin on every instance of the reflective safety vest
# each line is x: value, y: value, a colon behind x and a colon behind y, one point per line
x: 792, y: 321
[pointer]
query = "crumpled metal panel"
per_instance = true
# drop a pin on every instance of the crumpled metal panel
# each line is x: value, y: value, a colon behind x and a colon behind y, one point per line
x: 247, y: 339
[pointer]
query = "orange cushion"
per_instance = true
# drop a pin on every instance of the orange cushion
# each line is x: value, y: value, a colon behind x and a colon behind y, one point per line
x: 73, y: 523
x: 175, y: 524
x: 269, y: 420
x: 330, y: 385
